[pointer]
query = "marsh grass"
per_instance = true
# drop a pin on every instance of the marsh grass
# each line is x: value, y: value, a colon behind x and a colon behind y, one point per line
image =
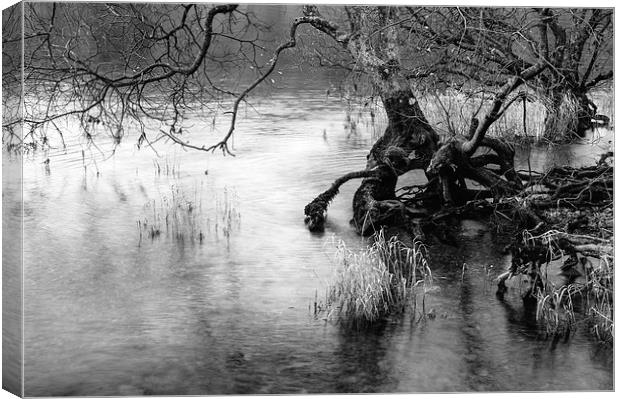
x: 559, y: 314
x: 452, y: 111
x: 227, y: 217
x: 375, y: 282
x: 168, y: 167
x: 560, y: 310
x: 555, y: 311
x: 182, y: 217
x: 600, y: 301
x: 562, y: 120
x: 175, y: 215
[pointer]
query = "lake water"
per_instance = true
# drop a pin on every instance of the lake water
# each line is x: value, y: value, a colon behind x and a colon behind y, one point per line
x: 111, y: 311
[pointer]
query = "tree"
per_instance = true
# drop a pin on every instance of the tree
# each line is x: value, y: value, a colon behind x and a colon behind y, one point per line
x: 488, y: 45
x: 374, y: 39
x: 11, y: 71
x: 579, y: 45
x: 474, y: 50
x: 80, y: 63
x: 117, y: 65
x: 112, y: 66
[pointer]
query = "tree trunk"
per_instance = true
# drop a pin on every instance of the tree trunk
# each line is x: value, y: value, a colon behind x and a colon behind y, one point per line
x: 408, y: 143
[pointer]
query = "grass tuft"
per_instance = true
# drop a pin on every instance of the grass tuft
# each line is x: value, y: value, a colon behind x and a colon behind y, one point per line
x: 377, y: 281
x: 555, y: 311
x: 450, y: 112
x: 600, y: 301
x: 181, y: 216
x: 560, y: 310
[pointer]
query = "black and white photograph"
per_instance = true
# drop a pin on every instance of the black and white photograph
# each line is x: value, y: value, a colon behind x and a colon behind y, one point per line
x: 294, y: 199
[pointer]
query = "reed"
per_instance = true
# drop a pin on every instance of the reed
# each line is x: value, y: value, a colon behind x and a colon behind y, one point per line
x: 451, y: 112
x: 558, y: 313
x: 555, y: 311
x: 562, y: 119
x: 378, y: 281
x: 600, y: 301
x: 227, y: 216
x: 182, y: 216
x: 168, y: 167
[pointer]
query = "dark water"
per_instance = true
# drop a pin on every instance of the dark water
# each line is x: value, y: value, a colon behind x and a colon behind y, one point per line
x: 109, y: 312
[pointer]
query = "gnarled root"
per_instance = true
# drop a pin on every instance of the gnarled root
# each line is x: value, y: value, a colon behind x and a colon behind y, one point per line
x: 316, y: 211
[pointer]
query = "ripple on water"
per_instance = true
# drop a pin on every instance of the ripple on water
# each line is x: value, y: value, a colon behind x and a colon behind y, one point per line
x: 108, y: 316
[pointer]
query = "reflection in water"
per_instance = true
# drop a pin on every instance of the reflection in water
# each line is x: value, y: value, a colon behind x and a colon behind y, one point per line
x: 476, y: 363
x: 367, y: 370
x: 587, y: 153
x: 107, y: 314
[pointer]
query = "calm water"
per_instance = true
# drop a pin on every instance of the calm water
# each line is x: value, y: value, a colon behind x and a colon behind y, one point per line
x: 109, y: 312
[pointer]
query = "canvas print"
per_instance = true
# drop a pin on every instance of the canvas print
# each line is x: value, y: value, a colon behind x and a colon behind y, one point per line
x: 213, y: 198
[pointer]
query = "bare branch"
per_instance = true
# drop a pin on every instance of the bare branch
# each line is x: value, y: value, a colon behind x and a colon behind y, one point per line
x: 494, y: 113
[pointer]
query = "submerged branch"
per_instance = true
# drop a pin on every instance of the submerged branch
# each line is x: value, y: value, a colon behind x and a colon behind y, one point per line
x: 316, y: 210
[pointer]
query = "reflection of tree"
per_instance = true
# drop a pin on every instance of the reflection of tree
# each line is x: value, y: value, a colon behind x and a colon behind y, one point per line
x: 361, y: 361
x: 479, y: 313
x: 521, y: 321
x: 475, y: 357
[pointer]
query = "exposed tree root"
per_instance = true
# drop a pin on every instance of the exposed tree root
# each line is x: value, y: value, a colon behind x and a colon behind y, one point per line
x: 574, y: 209
x: 316, y: 211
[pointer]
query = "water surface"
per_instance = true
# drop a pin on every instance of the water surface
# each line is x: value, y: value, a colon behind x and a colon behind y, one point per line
x: 112, y: 312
